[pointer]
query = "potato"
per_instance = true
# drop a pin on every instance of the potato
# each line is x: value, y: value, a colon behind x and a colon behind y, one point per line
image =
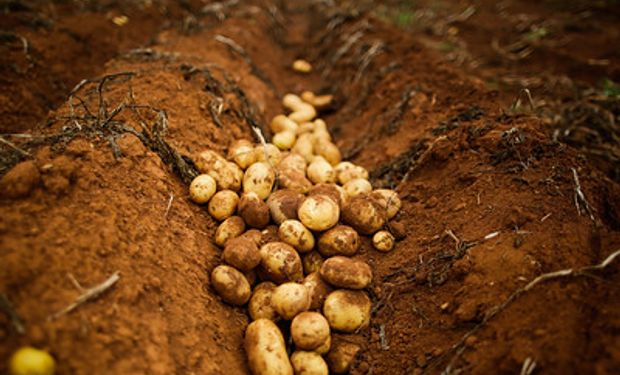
x: 346, y: 272
x: 269, y: 154
x: 31, y: 361
x: 363, y: 214
x: 347, y: 171
x: 324, y: 348
x: 253, y: 210
x: 243, y: 153
x: 251, y: 277
x: 320, y: 171
x: 241, y: 253
x: 306, y: 127
x: 255, y: 235
x: 232, y: 227
x: 231, y: 285
x: 383, y: 241
x: 293, y: 161
x: 259, y: 179
x: 281, y: 123
x: 295, y: 234
x: 266, y: 349
x: 340, y: 240
x: 280, y: 263
x: 223, y: 204
x: 284, y: 140
x: 312, y: 262
x: 328, y: 150
x: 206, y: 160
x: 318, y: 101
x: 309, y: 330
x: 283, y: 205
x: 260, y: 306
x: 292, y: 102
x: 318, y: 212
x: 357, y: 186
x: 294, y: 180
x: 269, y: 234
x: 302, y: 66
x: 317, y: 288
x: 202, y: 188
x: 227, y: 174
x: 290, y: 299
x: 304, y: 146
x: 309, y: 363
x: 388, y: 200
x: 303, y: 113
x: 342, y: 356
x: 347, y: 310
x: 331, y: 190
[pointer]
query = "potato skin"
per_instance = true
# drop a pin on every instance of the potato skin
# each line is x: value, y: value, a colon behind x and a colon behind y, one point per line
x: 347, y: 310
x: 318, y: 290
x: 383, y: 241
x: 309, y: 363
x: 364, y: 215
x: 309, y: 330
x: 231, y: 285
x: 346, y: 272
x: 202, y: 188
x: 223, y: 204
x: 340, y: 240
x: 293, y: 161
x: 312, y: 262
x: 242, y: 152
x: 266, y: 350
x: 318, y: 212
x: 230, y: 228
x: 253, y: 210
x: 241, y: 253
x: 259, y: 178
x: 294, y: 233
x: 330, y: 190
x: 290, y: 299
x: 280, y: 263
x: 283, y: 205
x: 260, y: 306
x: 388, y: 200
x: 294, y: 180
x: 341, y: 356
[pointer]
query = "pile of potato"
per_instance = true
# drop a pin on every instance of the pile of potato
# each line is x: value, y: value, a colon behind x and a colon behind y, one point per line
x: 291, y: 213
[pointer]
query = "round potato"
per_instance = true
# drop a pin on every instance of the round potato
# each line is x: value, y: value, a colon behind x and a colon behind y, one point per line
x: 241, y: 253
x: 232, y: 227
x: 383, y: 241
x: 295, y: 234
x: 231, y: 285
x: 388, y: 200
x: 347, y: 171
x: 31, y: 361
x: 202, y: 188
x: 242, y: 152
x: 293, y: 161
x: 320, y: 171
x: 280, y: 263
x: 318, y: 289
x: 357, y: 186
x: 345, y: 272
x: 283, y: 205
x: 309, y: 330
x: 340, y: 240
x: 266, y: 349
x: 260, y: 306
x: 269, y: 154
x: 206, y: 160
x: 312, y: 262
x: 347, y: 310
x: 281, y: 123
x: 227, y: 174
x: 253, y: 210
x: 284, y: 140
x: 309, y: 363
x: 342, y: 356
x: 290, y: 299
x: 364, y: 215
x: 223, y: 204
x: 331, y: 190
x: 259, y: 179
x: 318, y: 212
x: 294, y: 180
x: 255, y: 235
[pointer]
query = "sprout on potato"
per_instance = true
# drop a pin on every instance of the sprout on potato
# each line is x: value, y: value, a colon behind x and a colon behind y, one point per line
x: 290, y: 299
x: 202, y: 188
x: 223, y: 204
x: 231, y: 285
x: 318, y: 212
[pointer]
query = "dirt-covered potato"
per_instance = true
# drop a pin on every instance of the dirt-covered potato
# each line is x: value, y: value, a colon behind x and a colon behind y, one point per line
x: 253, y: 210
x: 241, y: 253
x: 281, y: 123
x: 284, y: 140
x: 294, y: 180
x: 324, y: 348
x: 242, y: 152
x: 318, y: 212
x: 205, y: 160
x: 269, y: 154
x: 328, y: 150
x: 347, y: 310
x: 269, y: 234
x: 341, y: 356
x: 260, y: 306
x: 347, y: 171
x: 388, y: 200
x: 309, y: 330
x: 357, y: 186
x: 345, y: 272
x: 290, y: 299
x: 232, y: 227
x: 318, y: 290
x: 294, y: 233
x: 309, y: 363
x: 363, y: 214
x: 231, y: 285
x: 320, y: 171
x: 383, y: 241
x: 312, y: 262
x: 280, y: 263
x: 266, y: 349
x: 223, y: 204
x: 283, y: 205
x: 259, y: 179
x: 331, y: 190
x: 293, y: 161
x: 304, y: 146
x: 340, y: 240
x: 227, y: 174
x: 253, y: 234
x: 202, y: 188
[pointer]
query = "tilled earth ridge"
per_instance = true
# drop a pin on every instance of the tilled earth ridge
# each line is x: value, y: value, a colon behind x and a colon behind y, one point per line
x: 464, y: 167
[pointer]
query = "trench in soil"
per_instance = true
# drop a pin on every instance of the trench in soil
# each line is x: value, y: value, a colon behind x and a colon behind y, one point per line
x: 104, y: 190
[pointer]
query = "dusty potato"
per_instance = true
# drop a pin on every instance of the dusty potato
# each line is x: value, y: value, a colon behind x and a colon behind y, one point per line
x: 259, y: 179
x: 317, y: 288
x: 347, y: 171
x: 269, y: 234
x: 227, y: 174
x: 283, y: 205
x: 329, y: 189
x: 294, y: 180
x: 268, y: 153
x: 266, y: 349
x: 328, y: 150
x: 340, y: 240
x: 231, y: 285
x: 241, y: 253
x: 309, y: 330
x: 324, y: 348
x: 347, y: 310
x: 253, y: 234
x: 251, y: 276
x: 281, y: 123
x: 304, y: 146
x: 232, y: 227
x: 242, y: 152
x: 293, y: 161
x: 284, y: 140
x: 280, y: 263
x: 312, y: 262
x: 320, y: 171
x: 363, y: 214
x: 345, y: 272
x: 341, y: 357
x: 318, y: 212
x: 290, y: 299
x: 260, y: 306
x: 388, y: 200
x: 357, y: 186
x: 309, y: 363
x: 383, y: 241
x: 253, y: 210
x: 205, y: 160
x: 303, y: 113
x: 202, y: 188
x: 295, y: 234
x: 223, y: 204
x: 302, y: 66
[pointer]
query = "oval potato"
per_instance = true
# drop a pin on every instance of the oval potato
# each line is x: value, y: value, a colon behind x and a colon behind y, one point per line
x: 345, y: 272
x: 309, y: 363
x: 260, y: 306
x: 202, y: 188
x: 283, y: 205
x: 242, y: 152
x: 309, y: 330
x: 294, y: 233
x: 347, y: 310
x: 318, y: 289
x: 318, y: 212
x: 223, y: 204
x: 280, y: 263
x: 290, y: 299
x: 232, y: 227
x: 320, y: 171
x: 340, y: 240
x: 266, y: 349
x: 363, y: 214
x: 383, y: 241
x: 231, y: 285
x: 253, y: 210
x: 241, y: 253
x: 259, y: 178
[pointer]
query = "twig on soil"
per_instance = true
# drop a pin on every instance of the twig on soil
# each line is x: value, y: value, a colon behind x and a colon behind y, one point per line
x: 418, y: 162
x: 14, y: 147
x: 88, y: 295
x: 218, y: 8
x: 517, y: 101
x: 399, y: 111
x: 169, y: 206
x: 349, y: 42
x: 382, y: 336
x: 529, y: 365
x: 7, y: 307
x: 375, y: 49
x: 580, y: 198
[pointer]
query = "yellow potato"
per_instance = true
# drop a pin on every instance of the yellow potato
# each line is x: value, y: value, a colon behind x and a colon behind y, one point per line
x: 290, y: 299
x: 309, y: 330
x: 223, y: 204
x: 318, y: 101
x: 302, y: 66
x: 383, y: 241
x: 283, y: 205
x: 318, y: 212
x: 388, y: 200
x: 312, y: 262
x: 241, y: 253
x: 331, y: 190
x: 325, y: 347
x: 231, y: 285
x: 259, y: 178
x: 266, y: 349
x: 294, y: 233
x: 340, y: 240
x: 227, y: 174
x: 320, y: 171
x: 202, y: 188
x: 284, y: 140
x: 243, y: 153
x: 309, y: 363
x: 232, y: 227
x: 253, y: 210
x: 347, y: 310
x: 281, y: 123
x: 303, y: 113
x: 304, y: 146
x: 268, y: 153
x: 341, y: 357
x: 294, y: 180
x: 328, y: 150
x: 293, y: 161
x: 356, y: 187
x: 318, y: 289
x: 280, y: 263
x: 345, y: 272
x: 260, y: 306
x: 292, y: 102
x: 205, y: 160
x: 364, y: 214
x: 347, y: 171
x: 306, y: 127
x: 31, y: 361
